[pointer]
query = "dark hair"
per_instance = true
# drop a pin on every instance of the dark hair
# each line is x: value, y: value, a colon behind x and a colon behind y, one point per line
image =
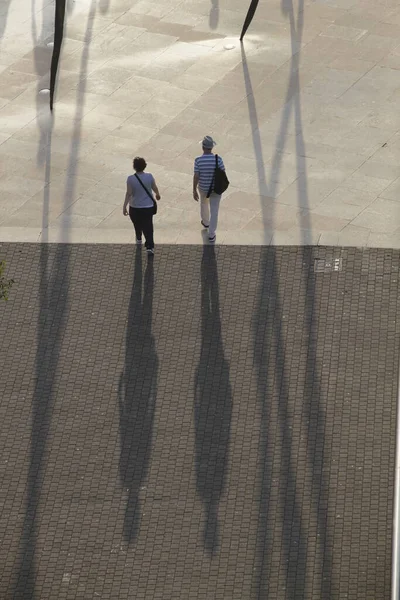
x: 139, y: 164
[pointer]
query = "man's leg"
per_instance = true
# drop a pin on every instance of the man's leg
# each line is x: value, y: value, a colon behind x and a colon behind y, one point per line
x: 204, y: 208
x: 134, y: 214
x: 147, y: 225
x: 214, y: 208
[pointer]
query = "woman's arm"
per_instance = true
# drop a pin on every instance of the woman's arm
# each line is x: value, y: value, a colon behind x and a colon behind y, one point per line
x: 155, y: 190
x: 127, y: 198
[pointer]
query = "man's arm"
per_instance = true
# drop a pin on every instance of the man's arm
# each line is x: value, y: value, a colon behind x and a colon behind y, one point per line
x: 195, y: 184
x: 127, y: 198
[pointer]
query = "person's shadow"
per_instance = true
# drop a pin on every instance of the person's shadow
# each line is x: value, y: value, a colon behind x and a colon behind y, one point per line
x: 137, y: 395
x: 213, y: 404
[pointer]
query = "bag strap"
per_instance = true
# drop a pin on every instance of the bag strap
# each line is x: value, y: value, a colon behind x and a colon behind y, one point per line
x: 144, y: 187
x: 212, y: 180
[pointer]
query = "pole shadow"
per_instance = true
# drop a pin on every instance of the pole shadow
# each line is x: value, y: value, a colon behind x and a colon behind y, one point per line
x: 4, y: 8
x: 45, y: 121
x: 213, y: 404
x: 137, y: 395
x: 54, y: 302
x: 52, y: 317
x: 273, y: 375
x: 213, y: 19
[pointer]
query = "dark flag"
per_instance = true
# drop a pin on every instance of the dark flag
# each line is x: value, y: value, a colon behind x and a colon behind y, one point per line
x: 249, y: 17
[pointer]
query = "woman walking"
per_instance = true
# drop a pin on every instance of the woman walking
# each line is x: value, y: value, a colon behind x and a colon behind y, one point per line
x: 142, y: 205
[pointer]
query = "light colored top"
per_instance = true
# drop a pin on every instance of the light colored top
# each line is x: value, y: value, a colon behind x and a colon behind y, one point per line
x: 204, y: 166
x: 139, y: 198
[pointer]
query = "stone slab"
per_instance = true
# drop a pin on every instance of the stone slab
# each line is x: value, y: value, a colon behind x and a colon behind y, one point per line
x: 303, y: 112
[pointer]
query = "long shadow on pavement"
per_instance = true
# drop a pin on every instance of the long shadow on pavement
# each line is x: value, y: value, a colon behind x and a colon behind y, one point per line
x: 52, y: 320
x: 137, y: 395
x: 270, y: 349
x: 213, y: 404
x: 54, y: 279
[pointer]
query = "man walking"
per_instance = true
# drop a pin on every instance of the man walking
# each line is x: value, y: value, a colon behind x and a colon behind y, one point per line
x: 204, y: 169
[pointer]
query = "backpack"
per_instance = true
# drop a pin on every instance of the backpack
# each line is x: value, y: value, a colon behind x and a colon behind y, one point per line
x: 219, y: 181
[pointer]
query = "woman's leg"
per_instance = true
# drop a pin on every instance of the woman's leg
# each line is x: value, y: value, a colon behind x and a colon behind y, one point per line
x: 135, y: 216
x: 147, y: 225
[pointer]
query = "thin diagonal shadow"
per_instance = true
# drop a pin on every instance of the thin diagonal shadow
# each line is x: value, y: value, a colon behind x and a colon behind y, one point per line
x: 137, y: 395
x: 52, y: 317
x: 270, y: 351
x: 41, y: 59
x: 54, y: 281
x: 5, y: 5
x: 53, y: 303
x: 213, y: 404
x: 213, y: 18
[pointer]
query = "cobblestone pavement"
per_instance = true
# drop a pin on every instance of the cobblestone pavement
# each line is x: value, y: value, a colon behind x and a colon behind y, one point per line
x: 218, y: 423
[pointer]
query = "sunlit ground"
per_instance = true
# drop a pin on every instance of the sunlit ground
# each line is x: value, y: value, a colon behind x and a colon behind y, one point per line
x: 305, y: 115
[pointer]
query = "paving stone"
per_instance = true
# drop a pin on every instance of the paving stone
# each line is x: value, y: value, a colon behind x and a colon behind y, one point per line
x: 214, y: 423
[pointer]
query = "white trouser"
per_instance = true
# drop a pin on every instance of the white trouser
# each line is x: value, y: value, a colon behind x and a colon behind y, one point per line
x: 209, y: 208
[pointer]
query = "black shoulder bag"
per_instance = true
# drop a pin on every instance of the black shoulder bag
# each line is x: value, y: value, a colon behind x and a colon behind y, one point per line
x: 148, y: 193
x: 219, y: 182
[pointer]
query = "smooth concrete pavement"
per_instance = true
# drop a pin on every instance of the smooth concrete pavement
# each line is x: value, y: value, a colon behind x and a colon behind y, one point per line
x: 305, y: 115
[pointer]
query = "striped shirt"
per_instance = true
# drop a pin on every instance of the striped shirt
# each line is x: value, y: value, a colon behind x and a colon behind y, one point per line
x: 204, y: 166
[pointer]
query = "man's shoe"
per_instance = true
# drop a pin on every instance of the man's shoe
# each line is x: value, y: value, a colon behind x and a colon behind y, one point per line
x: 138, y: 242
x: 150, y: 251
x: 212, y: 239
x: 204, y: 225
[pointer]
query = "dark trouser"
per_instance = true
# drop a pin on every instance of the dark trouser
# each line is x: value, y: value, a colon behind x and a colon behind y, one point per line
x: 142, y: 219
